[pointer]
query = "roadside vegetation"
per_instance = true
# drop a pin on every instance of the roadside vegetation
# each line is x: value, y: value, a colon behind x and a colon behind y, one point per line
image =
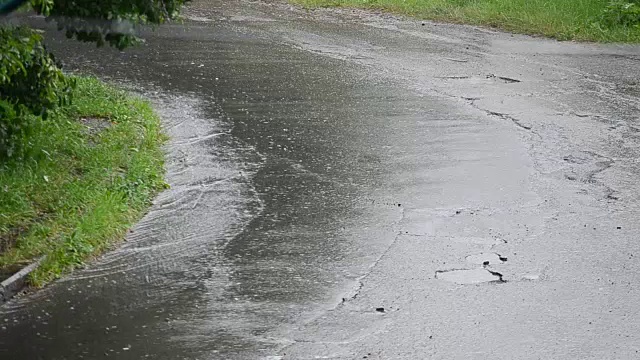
x: 80, y: 161
x: 583, y: 20
x: 87, y: 172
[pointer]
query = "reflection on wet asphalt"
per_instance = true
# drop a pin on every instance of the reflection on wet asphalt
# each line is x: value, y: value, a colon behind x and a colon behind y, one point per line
x: 273, y: 160
x: 347, y: 185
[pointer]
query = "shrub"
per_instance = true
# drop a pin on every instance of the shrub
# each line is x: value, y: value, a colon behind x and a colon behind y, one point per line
x: 107, y: 21
x: 622, y: 12
x: 31, y: 83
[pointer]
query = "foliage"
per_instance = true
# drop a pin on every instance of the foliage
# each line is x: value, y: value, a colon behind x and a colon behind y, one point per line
x: 31, y: 83
x: 622, y: 12
x: 68, y: 187
x: 107, y: 21
x: 101, y: 164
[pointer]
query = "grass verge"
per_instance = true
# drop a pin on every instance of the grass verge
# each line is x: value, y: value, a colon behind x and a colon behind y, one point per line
x: 560, y: 19
x: 95, y: 167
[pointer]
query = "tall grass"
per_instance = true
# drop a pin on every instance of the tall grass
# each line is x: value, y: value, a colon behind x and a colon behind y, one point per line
x: 560, y: 19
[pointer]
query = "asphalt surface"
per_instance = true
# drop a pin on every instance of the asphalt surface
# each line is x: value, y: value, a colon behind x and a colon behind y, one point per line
x: 347, y: 185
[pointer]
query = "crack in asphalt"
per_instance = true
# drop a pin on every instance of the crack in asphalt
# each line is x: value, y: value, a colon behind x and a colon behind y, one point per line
x: 360, y: 280
x: 470, y: 278
x: 508, y: 117
x: 471, y: 101
x: 605, y: 90
x: 602, y: 166
x: 505, y: 79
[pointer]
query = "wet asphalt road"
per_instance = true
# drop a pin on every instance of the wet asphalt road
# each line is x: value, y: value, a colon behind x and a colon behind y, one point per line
x: 347, y: 185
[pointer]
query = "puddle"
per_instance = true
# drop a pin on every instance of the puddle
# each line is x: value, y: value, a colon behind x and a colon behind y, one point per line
x: 485, y: 259
x: 469, y: 276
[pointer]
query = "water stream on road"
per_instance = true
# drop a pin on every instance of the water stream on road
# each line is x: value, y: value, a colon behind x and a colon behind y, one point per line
x: 268, y: 179
x: 361, y: 187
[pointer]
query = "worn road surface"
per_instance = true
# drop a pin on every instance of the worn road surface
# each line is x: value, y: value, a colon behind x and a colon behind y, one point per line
x: 348, y: 185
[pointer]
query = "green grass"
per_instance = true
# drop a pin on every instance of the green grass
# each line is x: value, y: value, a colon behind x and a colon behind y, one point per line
x: 560, y: 19
x: 82, y: 187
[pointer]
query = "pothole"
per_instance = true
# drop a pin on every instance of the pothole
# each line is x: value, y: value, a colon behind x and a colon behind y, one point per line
x: 469, y: 276
x: 486, y: 259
